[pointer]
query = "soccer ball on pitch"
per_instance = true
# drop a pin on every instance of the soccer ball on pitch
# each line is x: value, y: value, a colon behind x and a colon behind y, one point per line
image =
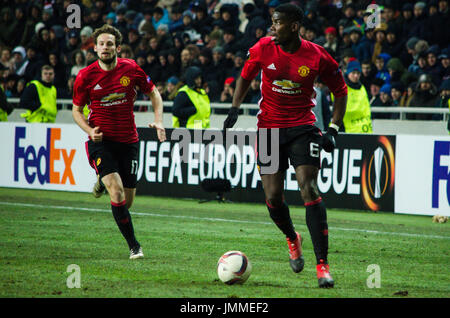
x: 234, y: 267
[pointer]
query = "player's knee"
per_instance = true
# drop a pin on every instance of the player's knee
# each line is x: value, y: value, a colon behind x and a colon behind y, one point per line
x: 116, y: 193
x: 274, y: 200
x: 309, y: 190
x: 129, y: 203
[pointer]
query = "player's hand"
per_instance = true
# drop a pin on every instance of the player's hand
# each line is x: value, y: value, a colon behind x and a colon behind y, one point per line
x: 328, y: 139
x: 232, y: 118
x: 96, y: 135
x: 160, y: 131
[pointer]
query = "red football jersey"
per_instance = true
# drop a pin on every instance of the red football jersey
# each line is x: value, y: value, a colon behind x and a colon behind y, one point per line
x: 110, y: 96
x: 287, y: 93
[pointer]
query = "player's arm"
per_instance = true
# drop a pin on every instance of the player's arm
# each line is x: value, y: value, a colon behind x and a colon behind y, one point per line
x: 78, y: 116
x: 157, y: 104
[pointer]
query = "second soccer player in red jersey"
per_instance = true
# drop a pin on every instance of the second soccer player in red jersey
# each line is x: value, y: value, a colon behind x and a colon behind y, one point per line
x: 107, y: 86
x: 288, y: 66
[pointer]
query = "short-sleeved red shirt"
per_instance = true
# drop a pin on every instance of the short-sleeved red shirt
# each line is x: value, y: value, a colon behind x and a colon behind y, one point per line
x: 287, y: 93
x: 110, y: 96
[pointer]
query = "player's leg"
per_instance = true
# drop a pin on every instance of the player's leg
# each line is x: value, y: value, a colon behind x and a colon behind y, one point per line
x: 128, y: 167
x: 121, y: 214
x: 99, y: 187
x: 316, y: 220
x: 304, y: 154
x: 273, y: 185
x: 130, y: 194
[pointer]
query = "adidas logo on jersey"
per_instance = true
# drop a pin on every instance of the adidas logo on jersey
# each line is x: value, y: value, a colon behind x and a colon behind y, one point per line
x: 271, y: 67
x: 97, y: 87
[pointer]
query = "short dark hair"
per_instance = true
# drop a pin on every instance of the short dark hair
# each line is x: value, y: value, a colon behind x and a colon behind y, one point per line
x: 292, y: 12
x: 106, y: 28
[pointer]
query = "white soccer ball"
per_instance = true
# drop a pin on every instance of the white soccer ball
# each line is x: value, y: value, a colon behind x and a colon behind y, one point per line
x: 234, y: 267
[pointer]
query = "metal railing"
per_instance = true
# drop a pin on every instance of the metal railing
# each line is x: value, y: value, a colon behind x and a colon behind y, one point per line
x: 402, y: 111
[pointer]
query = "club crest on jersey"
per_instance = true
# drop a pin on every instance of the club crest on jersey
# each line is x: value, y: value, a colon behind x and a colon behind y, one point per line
x: 124, y: 81
x: 303, y: 71
x: 99, y: 161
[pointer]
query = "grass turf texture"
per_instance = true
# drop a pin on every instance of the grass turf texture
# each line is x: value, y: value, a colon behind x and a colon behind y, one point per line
x: 43, y: 232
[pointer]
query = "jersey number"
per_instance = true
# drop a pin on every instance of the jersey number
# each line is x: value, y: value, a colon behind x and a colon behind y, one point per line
x: 314, y: 150
x: 134, y: 166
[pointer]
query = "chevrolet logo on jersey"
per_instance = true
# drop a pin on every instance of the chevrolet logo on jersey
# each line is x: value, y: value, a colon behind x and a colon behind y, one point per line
x: 113, y: 96
x: 286, y: 84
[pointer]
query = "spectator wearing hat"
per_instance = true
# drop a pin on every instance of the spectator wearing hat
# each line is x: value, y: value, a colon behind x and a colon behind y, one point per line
x: 380, y: 65
x: 444, y: 99
x: 33, y: 64
x: 238, y: 64
x: 398, y: 72
x: 164, y: 37
x: 95, y: 18
x: 438, y: 34
x: 254, y: 21
x: 111, y: 18
x: 380, y: 41
x: 357, y: 118
x: 8, y: 26
x: 191, y: 107
x: 419, y: 25
x: 425, y: 95
x: 375, y: 87
x: 173, y: 84
x: 331, y: 43
x: 228, y: 90
x: 202, y: 22
x: 384, y: 100
x: 160, y: 16
x: 434, y: 68
x: 176, y: 19
x: 86, y: 40
x: 59, y: 69
x: 398, y: 95
x: 444, y: 59
x: 18, y: 60
x: 393, y: 46
x: 229, y: 17
x: 254, y: 94
x: 72, y: 43
x: 420, y: 66
x: 230, y: 43
x: 33, y: 16
x: 406, y: 20
x: 361, y: 49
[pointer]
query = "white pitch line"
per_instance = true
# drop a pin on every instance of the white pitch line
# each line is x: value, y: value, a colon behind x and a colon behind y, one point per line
x: 59, y: 207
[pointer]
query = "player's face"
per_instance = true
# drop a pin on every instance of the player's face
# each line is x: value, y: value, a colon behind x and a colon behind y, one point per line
x: 282, y: 30
x: 106, y: 48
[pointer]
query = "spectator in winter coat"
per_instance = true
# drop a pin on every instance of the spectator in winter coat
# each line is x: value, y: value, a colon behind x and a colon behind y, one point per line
x: 425, y: 95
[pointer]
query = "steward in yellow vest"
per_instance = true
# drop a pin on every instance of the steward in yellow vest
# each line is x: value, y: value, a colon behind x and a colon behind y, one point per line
x: 357, y: 118
x: 39, y: 98
x: 191, y: 107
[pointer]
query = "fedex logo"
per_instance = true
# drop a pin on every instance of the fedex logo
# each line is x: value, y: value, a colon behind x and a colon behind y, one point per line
x: 441, y: 170
x: 40, y: 162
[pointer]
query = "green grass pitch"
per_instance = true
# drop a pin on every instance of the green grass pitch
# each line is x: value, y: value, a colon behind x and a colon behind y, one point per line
x: 43, y: 232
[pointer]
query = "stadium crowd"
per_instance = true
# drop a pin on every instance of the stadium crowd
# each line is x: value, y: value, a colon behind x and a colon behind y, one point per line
x: 403, y: 58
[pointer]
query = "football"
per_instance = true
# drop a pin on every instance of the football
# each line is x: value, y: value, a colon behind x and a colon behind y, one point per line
x: 234, y: 267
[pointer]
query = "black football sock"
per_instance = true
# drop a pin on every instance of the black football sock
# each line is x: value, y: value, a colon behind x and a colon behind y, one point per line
x: 316, y: 220
x: 123, y: 219
x: 281, y: 217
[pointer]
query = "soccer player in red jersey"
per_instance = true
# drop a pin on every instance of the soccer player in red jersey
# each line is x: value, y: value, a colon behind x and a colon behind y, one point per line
x: 107, y: 86
x: 288, y: 66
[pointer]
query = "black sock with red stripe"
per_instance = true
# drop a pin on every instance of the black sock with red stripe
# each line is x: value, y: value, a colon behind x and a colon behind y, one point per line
x: 316, y: 220
x: 123, y: 220
x: 281, y: 217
